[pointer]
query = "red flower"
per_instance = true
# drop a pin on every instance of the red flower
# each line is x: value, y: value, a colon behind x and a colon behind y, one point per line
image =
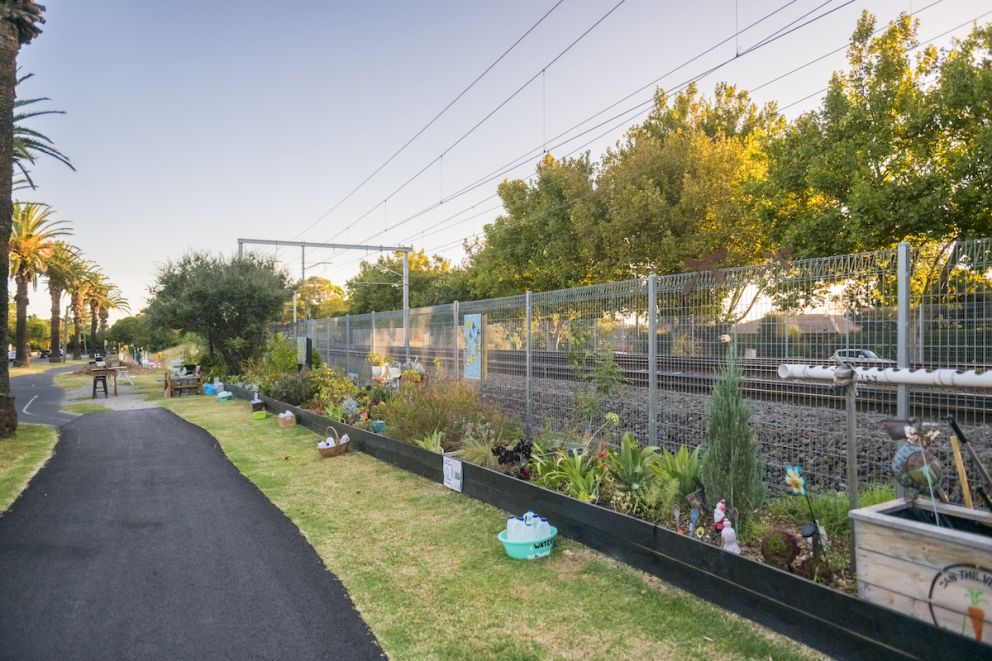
x: 601, y: 455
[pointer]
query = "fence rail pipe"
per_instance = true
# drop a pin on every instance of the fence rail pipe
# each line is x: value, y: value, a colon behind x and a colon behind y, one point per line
x: 530, y: 365
x: 652, y: 360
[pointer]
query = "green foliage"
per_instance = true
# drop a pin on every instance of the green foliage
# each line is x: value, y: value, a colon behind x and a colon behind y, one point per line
x: 276, y: 360
x: 316, y: 298
x: 630, y: 469
x: 330, y: 386
x: 573, y: 473
x: 295, y: 389
x: 830, y: 508
x: 681, y: 466
x: 228, y: 302
x: 416, y: 410
x: 432, y: 442
x: 731, y: 467
x: 378, y: 285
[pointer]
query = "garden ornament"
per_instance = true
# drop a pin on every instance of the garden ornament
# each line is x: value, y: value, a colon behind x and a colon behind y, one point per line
x: 677, y: 513
x: 729, y: 538
x: 693, y: 518
x: 915, y: 467
x: 720, y: 515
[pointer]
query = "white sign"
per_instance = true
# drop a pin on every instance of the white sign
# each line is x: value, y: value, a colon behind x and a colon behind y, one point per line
x: 453, y: 474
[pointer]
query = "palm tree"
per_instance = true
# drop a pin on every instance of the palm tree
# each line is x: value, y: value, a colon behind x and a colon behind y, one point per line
x: 33, y: 239
x: 114, y: 300
x: 19, y: 24
x: 82, y: 278
x: 29, y: 144
x: 60, y: 267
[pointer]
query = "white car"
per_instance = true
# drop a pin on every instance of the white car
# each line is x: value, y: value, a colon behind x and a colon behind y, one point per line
x: 861, y: 357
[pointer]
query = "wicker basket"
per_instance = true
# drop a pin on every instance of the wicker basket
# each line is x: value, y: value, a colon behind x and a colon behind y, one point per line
x: 339, y: 448
x: 286, y: 423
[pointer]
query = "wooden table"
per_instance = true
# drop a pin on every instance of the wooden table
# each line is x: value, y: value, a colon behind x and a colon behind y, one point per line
x: 106, y: 371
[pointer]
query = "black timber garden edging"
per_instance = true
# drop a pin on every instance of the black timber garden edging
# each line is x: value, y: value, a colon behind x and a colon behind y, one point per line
x: 838, y: 624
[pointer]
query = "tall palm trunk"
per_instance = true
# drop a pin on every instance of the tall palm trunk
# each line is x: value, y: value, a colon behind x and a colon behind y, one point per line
x: 94, y: 320
x: 104, y: 321
x: 9, y: 45
x: 77, y: 322
x: 55, y: 334
x: 21, y: 332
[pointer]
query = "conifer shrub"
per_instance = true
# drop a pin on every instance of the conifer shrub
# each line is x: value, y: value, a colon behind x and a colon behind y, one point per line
x: 732, y: 466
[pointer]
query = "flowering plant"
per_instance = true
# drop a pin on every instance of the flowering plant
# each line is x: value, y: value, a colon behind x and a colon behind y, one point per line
x: 795, y: 481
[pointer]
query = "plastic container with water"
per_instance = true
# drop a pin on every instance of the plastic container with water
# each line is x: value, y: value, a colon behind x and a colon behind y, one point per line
x: 528, y: 537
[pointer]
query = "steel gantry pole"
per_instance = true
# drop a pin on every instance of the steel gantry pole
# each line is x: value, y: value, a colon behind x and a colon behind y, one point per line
x: 406, y: 304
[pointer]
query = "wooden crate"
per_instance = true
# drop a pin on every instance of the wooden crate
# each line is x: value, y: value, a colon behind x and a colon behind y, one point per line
x: 935, y: 573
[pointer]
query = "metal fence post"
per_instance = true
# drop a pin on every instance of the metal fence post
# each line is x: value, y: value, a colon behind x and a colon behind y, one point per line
x: 652, y: 360
x: 347, y: 343
x: 372, y: 339
x: 902, y: 329
x: 530, y: 406
x: 454, y: 351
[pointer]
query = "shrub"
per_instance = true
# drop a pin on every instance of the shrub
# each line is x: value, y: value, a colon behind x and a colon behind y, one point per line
x: 731, y: 467
x: 276, y: 361
x: 416, y: 410
x: 294, y: 389
x: 630, y: 469
x: 681, y: 466
x: 431, y: 442
x: 331, y: 386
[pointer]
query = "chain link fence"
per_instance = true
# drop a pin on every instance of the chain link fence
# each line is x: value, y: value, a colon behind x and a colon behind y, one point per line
x: 546, y: 356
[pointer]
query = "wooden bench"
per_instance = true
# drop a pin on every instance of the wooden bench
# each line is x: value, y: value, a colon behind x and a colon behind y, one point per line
x: 175, y: 388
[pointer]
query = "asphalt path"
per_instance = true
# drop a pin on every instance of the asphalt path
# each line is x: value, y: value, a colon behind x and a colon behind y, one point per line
x: 140, y: 540
x: 39, y: 400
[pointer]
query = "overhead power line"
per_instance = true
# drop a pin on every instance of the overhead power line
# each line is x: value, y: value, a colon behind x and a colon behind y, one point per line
x: 771, y: 38
x: 486, y: 117
x: 433, y: 119
x: 808, y: 96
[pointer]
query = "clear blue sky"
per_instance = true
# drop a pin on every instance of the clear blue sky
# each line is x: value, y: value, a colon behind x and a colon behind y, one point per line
x: 192, y: 123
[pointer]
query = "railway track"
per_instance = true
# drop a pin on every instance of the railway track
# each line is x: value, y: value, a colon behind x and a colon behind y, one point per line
x: 698, y: 374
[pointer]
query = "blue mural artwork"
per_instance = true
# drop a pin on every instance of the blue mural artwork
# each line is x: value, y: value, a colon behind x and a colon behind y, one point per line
x: 473, y: 346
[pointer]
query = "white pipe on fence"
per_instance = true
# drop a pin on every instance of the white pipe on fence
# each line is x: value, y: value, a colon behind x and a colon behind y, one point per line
x: 893, y: 375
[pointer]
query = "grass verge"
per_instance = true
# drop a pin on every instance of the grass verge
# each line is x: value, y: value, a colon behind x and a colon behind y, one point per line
x: 425, y: 570
x: 83, y: 408
x: 39, y: 365
x: 21, y: 456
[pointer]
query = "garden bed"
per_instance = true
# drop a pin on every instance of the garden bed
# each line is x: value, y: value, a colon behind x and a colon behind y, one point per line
x: 788, y: 433
x: 826, y: 619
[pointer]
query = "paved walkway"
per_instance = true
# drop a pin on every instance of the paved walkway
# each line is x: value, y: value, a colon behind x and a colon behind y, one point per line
x: 38, y: 399
x: 140, y: 540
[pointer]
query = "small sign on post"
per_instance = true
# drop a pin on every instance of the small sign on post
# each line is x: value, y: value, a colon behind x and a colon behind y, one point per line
x: 304, y: 352
x: 453, y: 474
x: 472, y: 328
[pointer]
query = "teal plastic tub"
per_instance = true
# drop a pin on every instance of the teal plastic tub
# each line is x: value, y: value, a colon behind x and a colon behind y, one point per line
x: 531, y: 550
x: 226, y: 397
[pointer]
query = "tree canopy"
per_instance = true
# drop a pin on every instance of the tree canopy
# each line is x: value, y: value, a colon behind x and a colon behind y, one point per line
x: 228, y: 303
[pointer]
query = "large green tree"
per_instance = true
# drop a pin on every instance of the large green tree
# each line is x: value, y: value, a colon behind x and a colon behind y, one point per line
x: 378, y: 286
x: 228, y: 303
x: 537, y: 244
x: 317, y: 298
x: 679, y: 186
x: 19, y: 24
x: 869, y: 168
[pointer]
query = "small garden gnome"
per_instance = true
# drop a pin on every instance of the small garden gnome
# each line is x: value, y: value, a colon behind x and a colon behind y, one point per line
x: 729, y: 537
x: 720, y: 515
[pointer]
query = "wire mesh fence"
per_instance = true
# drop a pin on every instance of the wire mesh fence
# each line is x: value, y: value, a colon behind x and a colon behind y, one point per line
x: 587, y: 351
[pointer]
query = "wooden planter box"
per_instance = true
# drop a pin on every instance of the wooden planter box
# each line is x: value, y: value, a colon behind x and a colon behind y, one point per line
x: 939, y: 574
x: 833, y: 622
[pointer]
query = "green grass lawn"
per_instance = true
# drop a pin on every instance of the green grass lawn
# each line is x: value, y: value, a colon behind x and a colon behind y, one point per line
x: 425, y: 570
x: 39, y: 365
x: 21, y: 457
x: 85, y: 407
